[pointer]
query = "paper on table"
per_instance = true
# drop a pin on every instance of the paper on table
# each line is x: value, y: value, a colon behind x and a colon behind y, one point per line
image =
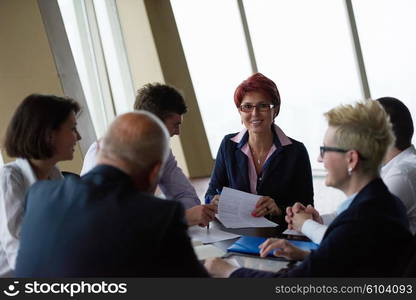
x: 293, y: 232
x: 211, y: 235
x: 235, y: 207
x: 196, y: 243
x: 206, y: 251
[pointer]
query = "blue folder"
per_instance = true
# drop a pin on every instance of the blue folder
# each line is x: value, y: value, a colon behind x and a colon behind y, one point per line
x: 250, y: 245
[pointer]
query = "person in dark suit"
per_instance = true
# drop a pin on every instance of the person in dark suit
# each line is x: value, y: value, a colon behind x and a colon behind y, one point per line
x: 261, y: 159
x: 368, y: 235
x: 107, y: 223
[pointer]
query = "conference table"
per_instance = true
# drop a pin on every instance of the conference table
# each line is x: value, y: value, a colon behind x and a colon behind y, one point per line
x: 254, y: 261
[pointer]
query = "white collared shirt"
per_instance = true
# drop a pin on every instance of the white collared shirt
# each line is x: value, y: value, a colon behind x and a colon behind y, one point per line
x: 399, y: 174
x: 15, y: 179
x: 316, y: 231
x: 252, y: 173
x: 172, y: 182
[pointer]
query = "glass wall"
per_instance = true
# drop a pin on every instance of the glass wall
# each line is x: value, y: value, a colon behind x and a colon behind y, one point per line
x: 216, y: 53
x: 305, y: 46
x: 117, y: 65
x: 302, y: 45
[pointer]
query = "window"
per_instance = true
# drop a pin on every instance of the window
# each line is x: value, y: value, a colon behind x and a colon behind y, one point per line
x: 306, y: 48
x: 95, y: 38
x: 213, y: 41
x: 388, y: 42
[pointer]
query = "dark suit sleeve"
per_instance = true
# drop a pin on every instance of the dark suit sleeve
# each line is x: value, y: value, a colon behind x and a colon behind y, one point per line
x: 219, y: 177
x: 338, y: 255
x: 177, y: 253
x: 408, y: 262
x: 303, y: 189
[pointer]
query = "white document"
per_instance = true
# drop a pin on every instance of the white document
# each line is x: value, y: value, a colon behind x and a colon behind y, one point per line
x: 257, y: 263
x: 293, y: 232
x: 206, y: 251
x: 211, y: 235
x: 235, y: 208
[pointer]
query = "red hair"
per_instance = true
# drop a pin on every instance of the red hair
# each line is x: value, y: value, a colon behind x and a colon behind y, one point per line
x: 257, y: 83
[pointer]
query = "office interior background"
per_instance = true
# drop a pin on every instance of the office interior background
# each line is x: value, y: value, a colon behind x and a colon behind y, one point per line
x: 320, y: 53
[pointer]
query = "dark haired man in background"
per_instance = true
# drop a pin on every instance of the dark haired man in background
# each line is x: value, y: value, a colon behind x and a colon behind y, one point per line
x: 106, y: 224
x: 168, y: 105
x: 399, y: 169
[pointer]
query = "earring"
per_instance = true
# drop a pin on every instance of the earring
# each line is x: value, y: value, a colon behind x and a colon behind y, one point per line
x: 349, y: 171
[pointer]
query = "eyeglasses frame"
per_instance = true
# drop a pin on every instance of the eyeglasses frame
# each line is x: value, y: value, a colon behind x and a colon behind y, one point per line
x: 270, y: 106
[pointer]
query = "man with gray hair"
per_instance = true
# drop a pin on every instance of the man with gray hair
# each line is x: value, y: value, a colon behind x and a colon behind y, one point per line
x: 168, y: 104
x: 108, y: 223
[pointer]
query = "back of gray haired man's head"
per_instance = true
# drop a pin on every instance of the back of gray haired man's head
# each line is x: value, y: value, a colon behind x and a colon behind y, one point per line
x: 139, y: 139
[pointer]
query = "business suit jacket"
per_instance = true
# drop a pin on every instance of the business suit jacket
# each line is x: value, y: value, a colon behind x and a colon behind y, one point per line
x: 366, y: 240
x: 286, y: 176
x: 409, y: 260
x: 100, y: 225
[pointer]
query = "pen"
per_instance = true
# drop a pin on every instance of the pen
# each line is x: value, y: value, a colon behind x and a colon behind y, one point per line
x: 219, y: 193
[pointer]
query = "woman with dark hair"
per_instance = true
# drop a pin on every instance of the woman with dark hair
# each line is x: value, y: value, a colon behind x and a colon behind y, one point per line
x: 41, y: 133
x: 261, y: 159
x: 168, y: 104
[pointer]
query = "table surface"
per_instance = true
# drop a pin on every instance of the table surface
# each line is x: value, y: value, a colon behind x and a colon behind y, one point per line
x: 254, y: 261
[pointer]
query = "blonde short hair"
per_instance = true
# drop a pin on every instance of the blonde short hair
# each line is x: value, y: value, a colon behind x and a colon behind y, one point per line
x: 138, y: 138
x: 364, y: 127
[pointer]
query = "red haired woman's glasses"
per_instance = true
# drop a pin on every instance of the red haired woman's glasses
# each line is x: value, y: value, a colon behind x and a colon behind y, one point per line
x: 261, y: 107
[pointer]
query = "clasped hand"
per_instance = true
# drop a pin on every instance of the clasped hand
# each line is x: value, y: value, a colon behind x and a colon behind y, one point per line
x: 218, y: 267
x: 201, y: 214
x: 282, y: 248
x: 264, y: 206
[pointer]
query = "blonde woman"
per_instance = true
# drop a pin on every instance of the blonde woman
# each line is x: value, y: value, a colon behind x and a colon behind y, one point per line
x: 261, y: 159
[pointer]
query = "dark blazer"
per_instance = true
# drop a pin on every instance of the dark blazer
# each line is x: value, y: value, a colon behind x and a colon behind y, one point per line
x: 100, y: 225
x: 409, y: 260
x: 366, y: 240
x: 286, y: 175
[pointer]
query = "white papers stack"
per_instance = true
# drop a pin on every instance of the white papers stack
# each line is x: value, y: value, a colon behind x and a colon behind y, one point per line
x: 206, y: 251
x: 211, y: 235
x: 293, y: 232
x: 235, y: 208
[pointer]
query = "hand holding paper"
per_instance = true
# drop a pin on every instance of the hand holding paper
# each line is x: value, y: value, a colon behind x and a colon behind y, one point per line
x: 264, y: 206
x: 209, y: 236
x: 284, y: 248
x: 289, y: 249
x: 235, y: 210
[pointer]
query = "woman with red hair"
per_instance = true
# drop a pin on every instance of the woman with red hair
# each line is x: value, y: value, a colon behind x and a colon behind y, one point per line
x: 261, y: 159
